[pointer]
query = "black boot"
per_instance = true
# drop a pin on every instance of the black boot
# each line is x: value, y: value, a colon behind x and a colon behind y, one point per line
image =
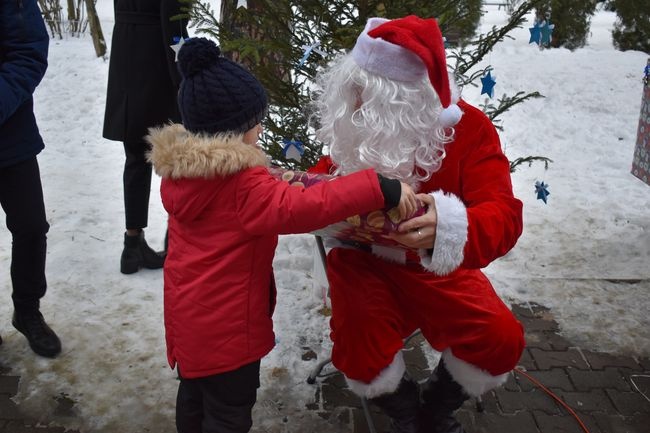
x: 42, y: 339
x: 401, y: 406
x: 441, y: 397
x: 137, y: 254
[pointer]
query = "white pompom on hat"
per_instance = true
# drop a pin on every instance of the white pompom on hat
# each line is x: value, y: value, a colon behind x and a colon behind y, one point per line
x: 407, y: 49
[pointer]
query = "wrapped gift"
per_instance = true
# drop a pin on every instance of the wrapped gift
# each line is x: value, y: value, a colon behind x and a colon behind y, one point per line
x: 641, y: 161
x: 368, y: 228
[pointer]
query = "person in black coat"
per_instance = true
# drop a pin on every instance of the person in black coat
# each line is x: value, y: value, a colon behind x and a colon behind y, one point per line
x: 24, y: 46
x: 141, y: 93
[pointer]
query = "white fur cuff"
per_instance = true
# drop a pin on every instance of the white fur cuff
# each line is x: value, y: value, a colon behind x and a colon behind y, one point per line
x: 451, y: 235
x: 386, y: 382
x: 474, y: 381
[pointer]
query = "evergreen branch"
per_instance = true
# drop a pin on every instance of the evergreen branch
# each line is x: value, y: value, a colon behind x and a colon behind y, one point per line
x: 268, y: 38
x: 466, y: 59
x: 201, y: 16
x: 463, y: 80
x: 529, y: 160
x: 506, y: 102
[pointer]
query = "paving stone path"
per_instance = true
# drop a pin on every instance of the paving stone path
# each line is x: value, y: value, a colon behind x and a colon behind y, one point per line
x: 608, y: 393
x: 605, y: 391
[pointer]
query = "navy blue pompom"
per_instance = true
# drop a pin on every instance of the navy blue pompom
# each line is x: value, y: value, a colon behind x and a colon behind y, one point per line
x: 196, y: 55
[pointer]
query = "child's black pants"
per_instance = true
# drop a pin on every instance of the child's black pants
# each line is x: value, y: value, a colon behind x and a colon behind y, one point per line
x: 221, y: 403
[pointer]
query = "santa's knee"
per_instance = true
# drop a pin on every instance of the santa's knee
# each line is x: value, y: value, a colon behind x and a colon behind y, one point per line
x: 485, y: 363
x: 367, y: 357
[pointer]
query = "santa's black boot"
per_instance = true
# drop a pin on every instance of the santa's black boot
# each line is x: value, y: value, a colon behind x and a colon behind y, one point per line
x: 137, y: 254
x: 441, y: 397
x: 401, y: 406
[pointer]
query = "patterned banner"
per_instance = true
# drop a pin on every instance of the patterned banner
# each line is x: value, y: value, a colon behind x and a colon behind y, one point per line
x: 641, y: 162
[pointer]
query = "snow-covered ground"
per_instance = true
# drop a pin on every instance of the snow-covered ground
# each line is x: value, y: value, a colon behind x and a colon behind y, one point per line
x: 585, y: 254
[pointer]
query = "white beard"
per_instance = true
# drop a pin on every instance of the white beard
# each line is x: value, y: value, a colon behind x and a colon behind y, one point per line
x: 372, y: 122
x: 355, y: 147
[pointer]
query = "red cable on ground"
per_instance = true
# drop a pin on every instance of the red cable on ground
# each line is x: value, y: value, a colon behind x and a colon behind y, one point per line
x: 558, y: 399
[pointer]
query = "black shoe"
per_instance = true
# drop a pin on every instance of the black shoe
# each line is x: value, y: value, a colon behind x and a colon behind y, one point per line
x: 401, y: 406
x: 137, y: 254
x: 441, y: 397
x: 42, y: 339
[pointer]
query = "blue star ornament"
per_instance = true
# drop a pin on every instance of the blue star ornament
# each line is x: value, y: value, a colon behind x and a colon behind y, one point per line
x: 488, y: 85
x: 293, y: 149
x: 535, y: 34
x: 542, y: 191
x: 546, y: 31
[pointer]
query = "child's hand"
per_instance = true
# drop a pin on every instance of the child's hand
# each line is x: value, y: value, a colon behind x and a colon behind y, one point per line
x: 408, y: 202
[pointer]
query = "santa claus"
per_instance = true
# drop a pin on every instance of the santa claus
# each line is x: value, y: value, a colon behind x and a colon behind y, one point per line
x: 390, y: 104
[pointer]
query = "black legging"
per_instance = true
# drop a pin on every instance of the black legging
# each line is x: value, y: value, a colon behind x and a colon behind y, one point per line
x: 137, y: 184
x: 21, y: 197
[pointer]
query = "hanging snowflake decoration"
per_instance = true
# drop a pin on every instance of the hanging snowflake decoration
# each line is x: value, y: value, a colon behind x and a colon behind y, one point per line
x: 308, y: 50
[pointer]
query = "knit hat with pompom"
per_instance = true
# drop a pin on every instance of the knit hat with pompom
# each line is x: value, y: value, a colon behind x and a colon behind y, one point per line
x: 217, y: 95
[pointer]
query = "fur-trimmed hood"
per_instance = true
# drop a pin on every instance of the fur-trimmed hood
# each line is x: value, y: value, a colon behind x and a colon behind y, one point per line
x: 177, y: 153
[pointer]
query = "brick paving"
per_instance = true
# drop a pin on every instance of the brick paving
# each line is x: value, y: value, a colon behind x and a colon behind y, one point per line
x: 604, y: 390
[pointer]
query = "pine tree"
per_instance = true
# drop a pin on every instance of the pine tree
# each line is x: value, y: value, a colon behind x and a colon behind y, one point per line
x: 571, y: 19
x: 276, y: 55
x: 632, y: 27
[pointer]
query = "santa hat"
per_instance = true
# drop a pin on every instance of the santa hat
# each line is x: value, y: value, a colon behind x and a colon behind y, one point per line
x: 407, y: 49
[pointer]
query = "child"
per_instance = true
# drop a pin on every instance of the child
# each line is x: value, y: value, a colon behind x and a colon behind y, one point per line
x: 225, y: 214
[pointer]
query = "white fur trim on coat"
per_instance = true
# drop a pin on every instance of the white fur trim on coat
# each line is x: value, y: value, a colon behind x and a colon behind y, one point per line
x: 451, y: 235
x: 386, y: 382
x: 474, y: 381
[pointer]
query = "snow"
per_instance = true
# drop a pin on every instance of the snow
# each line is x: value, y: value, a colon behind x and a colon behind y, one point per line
x: 585, y: 254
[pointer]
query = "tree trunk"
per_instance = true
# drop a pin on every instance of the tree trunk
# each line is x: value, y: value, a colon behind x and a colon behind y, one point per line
x: 227, y: 14
x: 95, y: 29
x: 73, y: 19
x: 52, y: 17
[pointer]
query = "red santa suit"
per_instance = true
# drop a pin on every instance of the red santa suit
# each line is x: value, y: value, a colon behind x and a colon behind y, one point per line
x: 382, y: 295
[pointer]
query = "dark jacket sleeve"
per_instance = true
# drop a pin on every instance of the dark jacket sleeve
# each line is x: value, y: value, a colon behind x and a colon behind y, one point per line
x: 23, y: 54
x: 172, y: 29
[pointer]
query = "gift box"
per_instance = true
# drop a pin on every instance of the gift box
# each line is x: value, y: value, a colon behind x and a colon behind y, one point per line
x: 641, y: 161
x: 368, y: 228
